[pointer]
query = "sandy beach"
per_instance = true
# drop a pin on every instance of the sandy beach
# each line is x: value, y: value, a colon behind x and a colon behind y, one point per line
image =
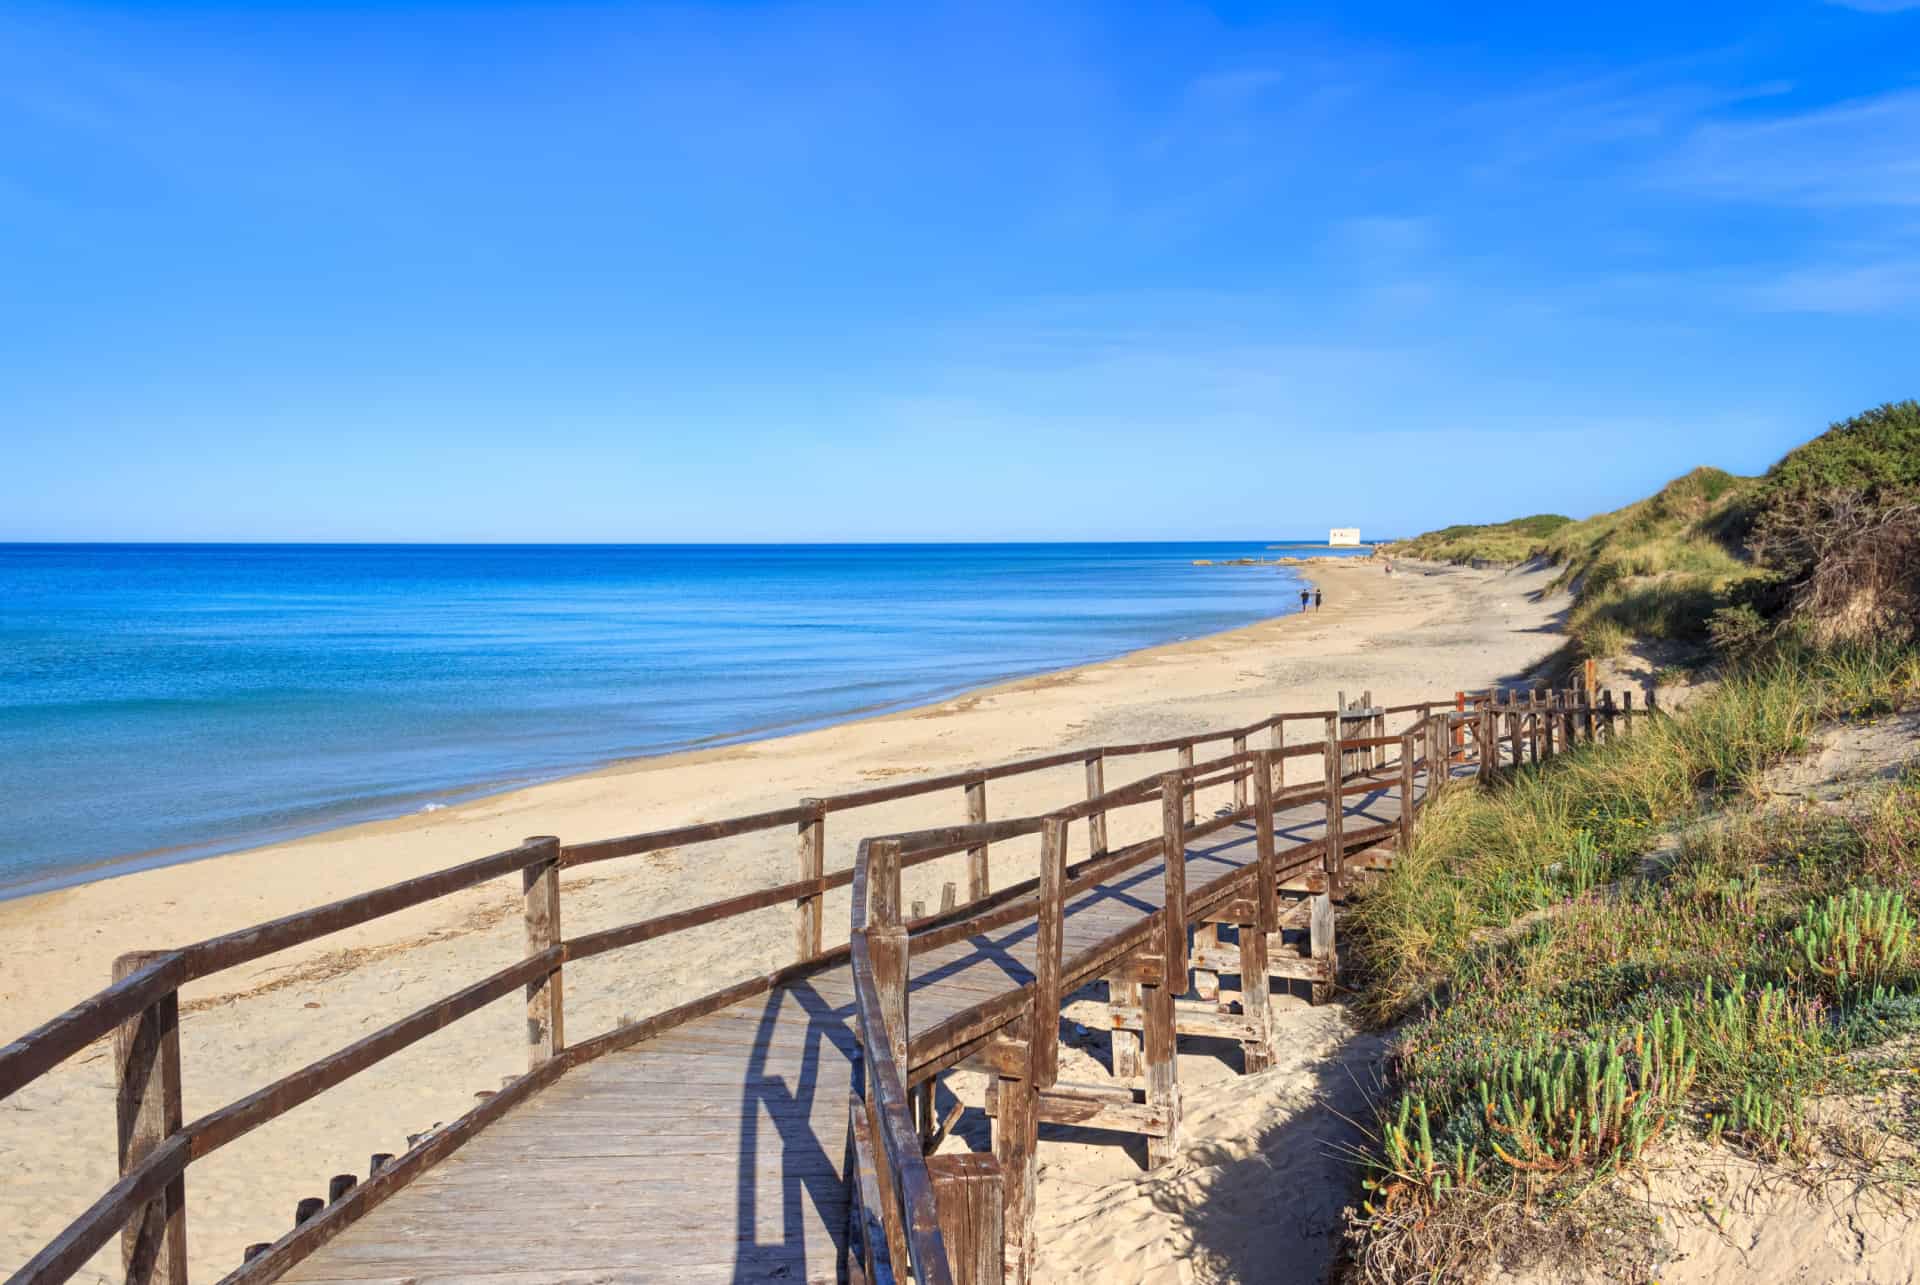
x: 1415, y: 634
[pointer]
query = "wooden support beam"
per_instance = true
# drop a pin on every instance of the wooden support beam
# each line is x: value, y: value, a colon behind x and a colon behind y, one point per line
x: 1190, y: 1018
x: 979, y: 877
x: 967, y: 1193
x: 1240, y: 782
x: 1122, y: 993
x: 1016, y: 1136
x: 1206, y: 982
x: 1162, y: 1070
x: 812, y: 845
x: 1256, y: 999
x: 146, y: 1062
x: 546, y: 1006
x: 1321, y: 947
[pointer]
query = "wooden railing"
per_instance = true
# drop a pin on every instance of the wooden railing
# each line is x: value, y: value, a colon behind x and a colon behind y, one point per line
x: 140, y: 1009
x: 987, y: 1237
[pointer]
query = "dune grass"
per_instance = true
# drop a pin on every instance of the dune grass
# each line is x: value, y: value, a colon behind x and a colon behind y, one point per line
x: 1494, y: 542
x: 1571, y: 1003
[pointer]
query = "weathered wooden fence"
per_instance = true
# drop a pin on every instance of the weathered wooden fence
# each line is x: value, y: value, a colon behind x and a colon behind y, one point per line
x: 979, y: 1203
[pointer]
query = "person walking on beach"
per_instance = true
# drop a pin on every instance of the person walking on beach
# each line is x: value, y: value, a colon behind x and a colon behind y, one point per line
x: 1316, y: 600
x: 1303, y: 600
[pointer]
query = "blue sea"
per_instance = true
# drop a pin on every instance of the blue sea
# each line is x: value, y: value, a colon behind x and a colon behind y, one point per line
x: 164, y: 702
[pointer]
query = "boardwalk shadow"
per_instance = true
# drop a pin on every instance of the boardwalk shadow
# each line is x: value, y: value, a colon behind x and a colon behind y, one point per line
x: 812, y: 1162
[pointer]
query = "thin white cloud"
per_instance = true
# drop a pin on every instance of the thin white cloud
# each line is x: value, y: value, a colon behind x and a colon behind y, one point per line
x: 1891, y: 286
x: 1877, y: 6
x: 1857, y: 153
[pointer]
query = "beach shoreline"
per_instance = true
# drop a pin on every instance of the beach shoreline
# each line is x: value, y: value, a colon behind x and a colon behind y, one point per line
x: 321, y: 703
x: 1405, y: 637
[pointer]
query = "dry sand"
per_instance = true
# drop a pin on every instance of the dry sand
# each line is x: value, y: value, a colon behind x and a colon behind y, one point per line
x: 1406, y: 637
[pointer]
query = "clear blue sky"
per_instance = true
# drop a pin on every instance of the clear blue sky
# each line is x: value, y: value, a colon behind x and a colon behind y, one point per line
x: 768, y: 272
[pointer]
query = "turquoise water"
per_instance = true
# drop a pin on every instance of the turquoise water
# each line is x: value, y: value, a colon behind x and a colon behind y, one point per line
x: 163, y: 702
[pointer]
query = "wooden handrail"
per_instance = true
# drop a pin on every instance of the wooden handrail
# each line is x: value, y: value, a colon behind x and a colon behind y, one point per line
x: 45, y: 1047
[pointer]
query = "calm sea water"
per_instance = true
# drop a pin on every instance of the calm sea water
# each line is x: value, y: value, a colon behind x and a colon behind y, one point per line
x: 163, y: 702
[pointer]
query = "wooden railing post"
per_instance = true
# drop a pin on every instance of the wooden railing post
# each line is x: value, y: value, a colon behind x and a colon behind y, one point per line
x: 1016, y: 1136
x: 146, y: 1058
x: 1173, y: 831
x: 1240, y: 782
x: 1406, y: 789
x: 1277, y: 738
x: 968, y: 1196
x: 1043, y: 1045
x: 1186, y: 765
x: 1458, y: 737
x: 979, y: 876
x: 883, y: 882
x: 813, y: 865
x: 1489, y: 741
x: 1375, y: 725
x: 1626, y: 710
x: 1333, y: 858
x: 1340, y: 728
x: 546, y: 1003
x: 1097, y: 821
x: 1255, y: 988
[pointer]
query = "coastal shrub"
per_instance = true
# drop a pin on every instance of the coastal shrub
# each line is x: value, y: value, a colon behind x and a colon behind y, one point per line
x: 1738, y: 630
x: 1859, y: 939
x: 1496, y: 542
x: 1837, y: 520
x: 1571, y: 992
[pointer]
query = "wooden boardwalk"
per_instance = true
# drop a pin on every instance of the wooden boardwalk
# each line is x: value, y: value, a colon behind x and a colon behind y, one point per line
x: 719, y: 1150
x: 777, y: 1129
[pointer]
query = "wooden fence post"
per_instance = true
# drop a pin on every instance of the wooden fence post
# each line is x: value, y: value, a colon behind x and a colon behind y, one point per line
x: 146, y: 1063
x: 546, y: 1002
x: 1277, y: 738
x: 1255, y: 988
x: 1333, y: 858
x: 979, y: 878
x: 1406, y: 788
x: 967, y: 1195
x: 1173, y: 834
x: 1162, y: 1055
x: 1097, y: 821
x: 1016, y: 1136
x: 1186, y: 764
x: 1489, y: 745
x: 1043, y: 1055
x: 813, y: 865
x: 1626, y: 710
x: 1376, y: 727
x: 1240, y: 782
x: 1340, y: 729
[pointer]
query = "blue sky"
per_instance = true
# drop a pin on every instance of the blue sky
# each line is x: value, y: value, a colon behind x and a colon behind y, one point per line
x: 772, y: 272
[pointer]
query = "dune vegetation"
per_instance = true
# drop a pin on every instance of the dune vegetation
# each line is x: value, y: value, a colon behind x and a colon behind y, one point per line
x: 1639, y: 943
x: 1715, y: 560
